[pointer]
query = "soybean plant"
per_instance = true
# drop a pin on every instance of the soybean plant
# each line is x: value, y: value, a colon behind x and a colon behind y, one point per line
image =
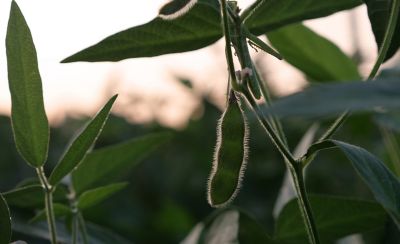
x: 82, y: 177
x: 186, y: 25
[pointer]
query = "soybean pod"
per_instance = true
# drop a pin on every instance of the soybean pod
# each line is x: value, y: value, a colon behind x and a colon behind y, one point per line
x: 230, y: 156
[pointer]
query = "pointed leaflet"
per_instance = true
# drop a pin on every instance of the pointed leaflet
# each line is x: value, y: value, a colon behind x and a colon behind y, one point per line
x: 80, y: 146
x: 94, y: 196
x: 29, y: 121
x: 5, y: 221
x: 230, y: 156
x: 332, y: 99
x: 317, y: 57
x: 379, y: 14
x: 196, y: 26
x: 103, y: 166
x: 265, y: 15
x: 380, y: 180
x: 335, y: 218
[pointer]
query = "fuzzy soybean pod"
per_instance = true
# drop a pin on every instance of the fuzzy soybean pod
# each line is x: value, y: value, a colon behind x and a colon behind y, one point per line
x: 230, y: 156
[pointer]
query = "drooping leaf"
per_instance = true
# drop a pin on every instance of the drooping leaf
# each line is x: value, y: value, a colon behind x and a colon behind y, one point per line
x: 94, y: 196
x: 273, y: 14
x: 228, y: 226
x: 81, y: 144
x: 316, y: 56
x: 198, y: 28
x: 332, y: 99
x: 379, y: 13
x: 230, y: 156
x: 60, y: 210
x: 335, y: 217
x: 105, y: 165
x: 32, y: 196
x: 199, y: 25
x: 29, y: 120
x: 380, y: 180
x: 5, y: 222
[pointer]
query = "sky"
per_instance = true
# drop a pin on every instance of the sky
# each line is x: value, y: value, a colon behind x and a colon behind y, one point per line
x: 148, y: 87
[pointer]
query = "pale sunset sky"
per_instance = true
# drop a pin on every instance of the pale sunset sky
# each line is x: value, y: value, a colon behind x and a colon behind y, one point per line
x: 61, y: 28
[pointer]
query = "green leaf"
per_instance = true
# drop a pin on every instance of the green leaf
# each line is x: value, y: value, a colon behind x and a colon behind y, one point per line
x: 32, y: 196
x: 228, y: 226
x: 335, y: 217
x: 380, y: 180
x: 379, y: 13
x: 190, y: 27
x: 316, y: 56
x: 82, y: 144
x: 5, y: 221
x: 105, y: 165
x: 60, y: 210
x: 94, y: 196
x: 272, y: 14
x: 29, y: 121
x: 198, y: 28
x: 331, y: 99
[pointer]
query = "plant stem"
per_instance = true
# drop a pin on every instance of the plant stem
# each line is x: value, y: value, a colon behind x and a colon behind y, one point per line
x: 74, y: 229
x: 82, y: 227
x: 270, y: 131
x: 304, y: 204
x: 48, y: 199
x: 387, y: 39
x: 228, y: 51
x: 271, y: 127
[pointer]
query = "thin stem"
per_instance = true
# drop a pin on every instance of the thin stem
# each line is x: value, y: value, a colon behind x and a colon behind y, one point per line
x: 228, y: 51
x: 387, y: 39
x: 304, y: 204
x: 270, y: 131
x: 74, y: 229
x: 82, y: 227
x: 48, y: 199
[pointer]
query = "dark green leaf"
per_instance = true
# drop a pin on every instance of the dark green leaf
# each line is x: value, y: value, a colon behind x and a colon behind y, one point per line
x: 332, y: 99
x: 228, y: 226
x: 199, y: 27
x: 380, y: 180
x: 81, y: 145
x: 105, y: 165
x: 94, y: 196
x: 317, y: 57
x: 5, y: 222
x: 335, y: 217
x: 273, y: 14
x: 378, y: 13
x: 60, y: 210
x: 30, y: 126
x: 33, y: 196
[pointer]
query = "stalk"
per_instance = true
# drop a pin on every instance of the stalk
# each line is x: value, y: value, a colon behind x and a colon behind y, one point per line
x: 48, y: 199
x: 294, y: 166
